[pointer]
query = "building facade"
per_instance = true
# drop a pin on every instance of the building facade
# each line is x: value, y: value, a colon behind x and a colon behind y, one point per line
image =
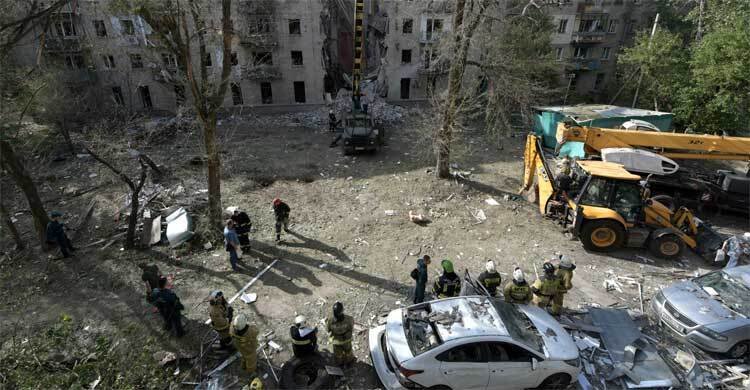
x: 292, y: 53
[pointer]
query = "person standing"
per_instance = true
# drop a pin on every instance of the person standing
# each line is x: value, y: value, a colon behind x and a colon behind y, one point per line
x: 221, y: 316
x: 564, y: 274
x: 232, y: 244
x: 517, y: 290
x: 340, y: 327
x: 419, y: 274
x: 281, y: 211
x: 304, y: 339
x: 169, y: 306
x: 332, y: 121
x: 242, y: 224
x: 545, y: 287
x: 245, y: 337
x: 448, y: 284
x: 56, y: 234
x: 150, y: 277
x: 490, y: 278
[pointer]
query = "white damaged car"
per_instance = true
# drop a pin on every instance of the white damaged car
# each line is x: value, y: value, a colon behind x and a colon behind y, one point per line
x: 473, y: 343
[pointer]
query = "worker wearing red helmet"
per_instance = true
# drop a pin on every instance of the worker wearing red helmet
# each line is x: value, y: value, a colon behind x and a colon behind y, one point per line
x: 281, y: 210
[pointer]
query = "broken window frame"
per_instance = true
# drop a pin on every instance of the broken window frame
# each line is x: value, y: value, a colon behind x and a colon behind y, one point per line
x: 297, y: 58
x: 100, y: 28
x: 169, y: 60
x: 407, y: 24
x: 612, y: 28
x: 136, y: 61
x: 605, y: 53
x: 207, y: 60
x: 237, y: 98
x: 117, y: 96
x: 406, y: 56
x: 109, y: 61
x: 260, y: 25
x: 262, y: 58
x: 128, y: 27
x: 581, y: 50
x: 434, y: 28
x: 74, y: 61
x: 65, y: 28
x: 266, y: 98
x: 559, y: 53
x: 295, y: 27
x: 562, y: 26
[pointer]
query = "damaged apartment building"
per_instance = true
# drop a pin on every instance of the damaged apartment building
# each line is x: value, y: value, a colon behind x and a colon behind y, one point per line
x: 291, y: 53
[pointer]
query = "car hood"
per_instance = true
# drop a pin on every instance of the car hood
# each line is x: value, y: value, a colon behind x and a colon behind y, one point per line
x: 358, y: 131
x: 558, y: 344
x: 693, y: 302
x: 395, y: 337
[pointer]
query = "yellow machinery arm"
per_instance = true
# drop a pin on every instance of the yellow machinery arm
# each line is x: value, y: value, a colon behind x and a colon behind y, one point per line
x: 672, y: 145
x: 536, y: 166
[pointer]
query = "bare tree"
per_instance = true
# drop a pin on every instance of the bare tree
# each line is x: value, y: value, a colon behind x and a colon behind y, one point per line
x: 169, y: 20
x: 15, y: 167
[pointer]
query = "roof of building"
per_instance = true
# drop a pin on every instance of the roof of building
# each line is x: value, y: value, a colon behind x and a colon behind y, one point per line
x: 466, y: 316
x: 585, y: 112
x: 607, y: 169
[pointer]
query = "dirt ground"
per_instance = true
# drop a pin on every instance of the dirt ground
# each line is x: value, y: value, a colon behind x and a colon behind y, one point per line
x: 346, y: 245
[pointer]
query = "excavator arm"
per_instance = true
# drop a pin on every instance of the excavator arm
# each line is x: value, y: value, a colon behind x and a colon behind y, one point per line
x: 535, y: 166
x: 672, y: 145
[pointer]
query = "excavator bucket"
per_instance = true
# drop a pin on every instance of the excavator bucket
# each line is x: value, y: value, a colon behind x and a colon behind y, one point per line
x: 535, y: 167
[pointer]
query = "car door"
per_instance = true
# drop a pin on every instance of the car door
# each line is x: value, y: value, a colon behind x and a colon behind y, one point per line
x: 464, y: 367
x: 510, y: 367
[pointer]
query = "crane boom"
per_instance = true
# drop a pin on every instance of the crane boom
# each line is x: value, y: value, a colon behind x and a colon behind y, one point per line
x: 358, y: 64
x: 672, y: 145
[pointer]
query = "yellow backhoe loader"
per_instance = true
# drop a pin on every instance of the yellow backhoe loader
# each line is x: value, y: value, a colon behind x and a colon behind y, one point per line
x: 607, y: 207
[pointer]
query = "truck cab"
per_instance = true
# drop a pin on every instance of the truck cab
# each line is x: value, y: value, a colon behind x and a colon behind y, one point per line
x: 360, y: 133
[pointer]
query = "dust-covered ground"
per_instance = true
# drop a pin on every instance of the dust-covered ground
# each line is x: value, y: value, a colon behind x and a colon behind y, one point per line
x: 70, y: 323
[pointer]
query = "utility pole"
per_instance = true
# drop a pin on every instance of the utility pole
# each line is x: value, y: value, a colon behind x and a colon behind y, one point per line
x: 699, y: 34
x: 640, y: 76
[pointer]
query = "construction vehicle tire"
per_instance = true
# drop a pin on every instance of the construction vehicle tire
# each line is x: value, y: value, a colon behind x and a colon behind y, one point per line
x: 307, y: 373
x: 668, y: 246
x: 602, y: 235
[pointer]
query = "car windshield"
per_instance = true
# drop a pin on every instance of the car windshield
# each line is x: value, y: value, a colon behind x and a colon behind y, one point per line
x: 733, y: 292
x: 356, y: 122
x: 519, y: 325
x: 420, y: 331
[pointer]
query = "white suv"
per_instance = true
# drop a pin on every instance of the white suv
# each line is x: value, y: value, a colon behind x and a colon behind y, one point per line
x: 473, y: 343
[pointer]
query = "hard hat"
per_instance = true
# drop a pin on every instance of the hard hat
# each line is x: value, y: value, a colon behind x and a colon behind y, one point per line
x: 490, y: 266
x: 330, y: 111
x: 276, y: 201
x: 232, y: 209
x: 56, y: 214
x: 447, y: 265
x: 216, y: 293
x: 548, y: 267
x: 338, y: 309
x: 300, y: 320
x: 240, y: 322
x: 256, y: 384
x: 518, y: 275
x: 565, y: 262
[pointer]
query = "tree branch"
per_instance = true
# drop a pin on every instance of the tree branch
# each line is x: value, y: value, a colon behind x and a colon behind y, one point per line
x: 111, y: 167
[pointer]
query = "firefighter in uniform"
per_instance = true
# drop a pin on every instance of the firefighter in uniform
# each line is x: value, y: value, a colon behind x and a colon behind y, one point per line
x: 448, y: 284
x: 340, y: 328
x: 490, y: 278
x: 517, y: 290
x: 546, y: 286
x: 304, y: 339
x: 565, y: 274
x: 245, y: 337
x: 221, y: 316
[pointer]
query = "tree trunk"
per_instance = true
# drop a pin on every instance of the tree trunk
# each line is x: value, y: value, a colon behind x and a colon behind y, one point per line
x: 214, y: 169
x: 11, y: 227
x: 445, y: 132
x: 66, y: 136
x: 132, y: 219
x: 14, y: 165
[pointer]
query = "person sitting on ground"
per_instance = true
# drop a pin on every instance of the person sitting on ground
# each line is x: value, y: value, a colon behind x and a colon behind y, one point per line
x: 490, y: 278
x: 304, y: 339
x: 56, y: 234
x: 242, y: 224
x: 448, y: 284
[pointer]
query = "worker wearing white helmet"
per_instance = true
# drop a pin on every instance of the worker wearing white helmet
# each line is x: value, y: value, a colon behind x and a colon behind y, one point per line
x: 490, y: 278
x: 564, y: 273
x: 304, y: 339
x: 517, y: 290
x: 245, y: 337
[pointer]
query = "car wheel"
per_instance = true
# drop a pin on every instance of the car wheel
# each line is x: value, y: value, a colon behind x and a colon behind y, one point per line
x: 667, y: 247
x: 555, y: 382
x: 739, y: 350
x: 602, y: 235
x: 308, y: 373
x: 439, y: 387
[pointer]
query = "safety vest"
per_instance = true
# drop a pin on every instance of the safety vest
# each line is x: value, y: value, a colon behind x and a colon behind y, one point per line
x: 565, y: 275
x: 341, y: 331
x: 546, y: 286
x: 519, y: 293
x: 447, y: 287
x: 490, y: 281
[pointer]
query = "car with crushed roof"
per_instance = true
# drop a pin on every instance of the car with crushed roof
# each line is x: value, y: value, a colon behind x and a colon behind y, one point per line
x: 472, y: 343
x: 711, y: 311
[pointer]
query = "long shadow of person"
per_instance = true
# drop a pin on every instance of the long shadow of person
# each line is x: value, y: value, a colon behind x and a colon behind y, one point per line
x: 318, y: 246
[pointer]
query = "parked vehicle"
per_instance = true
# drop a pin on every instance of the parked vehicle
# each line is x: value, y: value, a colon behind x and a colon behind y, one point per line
x: 473, y: 343
x: 711, y: 311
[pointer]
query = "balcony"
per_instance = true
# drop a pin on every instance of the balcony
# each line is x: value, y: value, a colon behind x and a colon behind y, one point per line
x: 162, y: 74
x: 268, y: 40
x: 431, y: 36
x: 261, y: 72
x: 256, y: 7
x: 62, y: 44
x: 586, y: 37
x: 437, y: 67
x: 582, y: 64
